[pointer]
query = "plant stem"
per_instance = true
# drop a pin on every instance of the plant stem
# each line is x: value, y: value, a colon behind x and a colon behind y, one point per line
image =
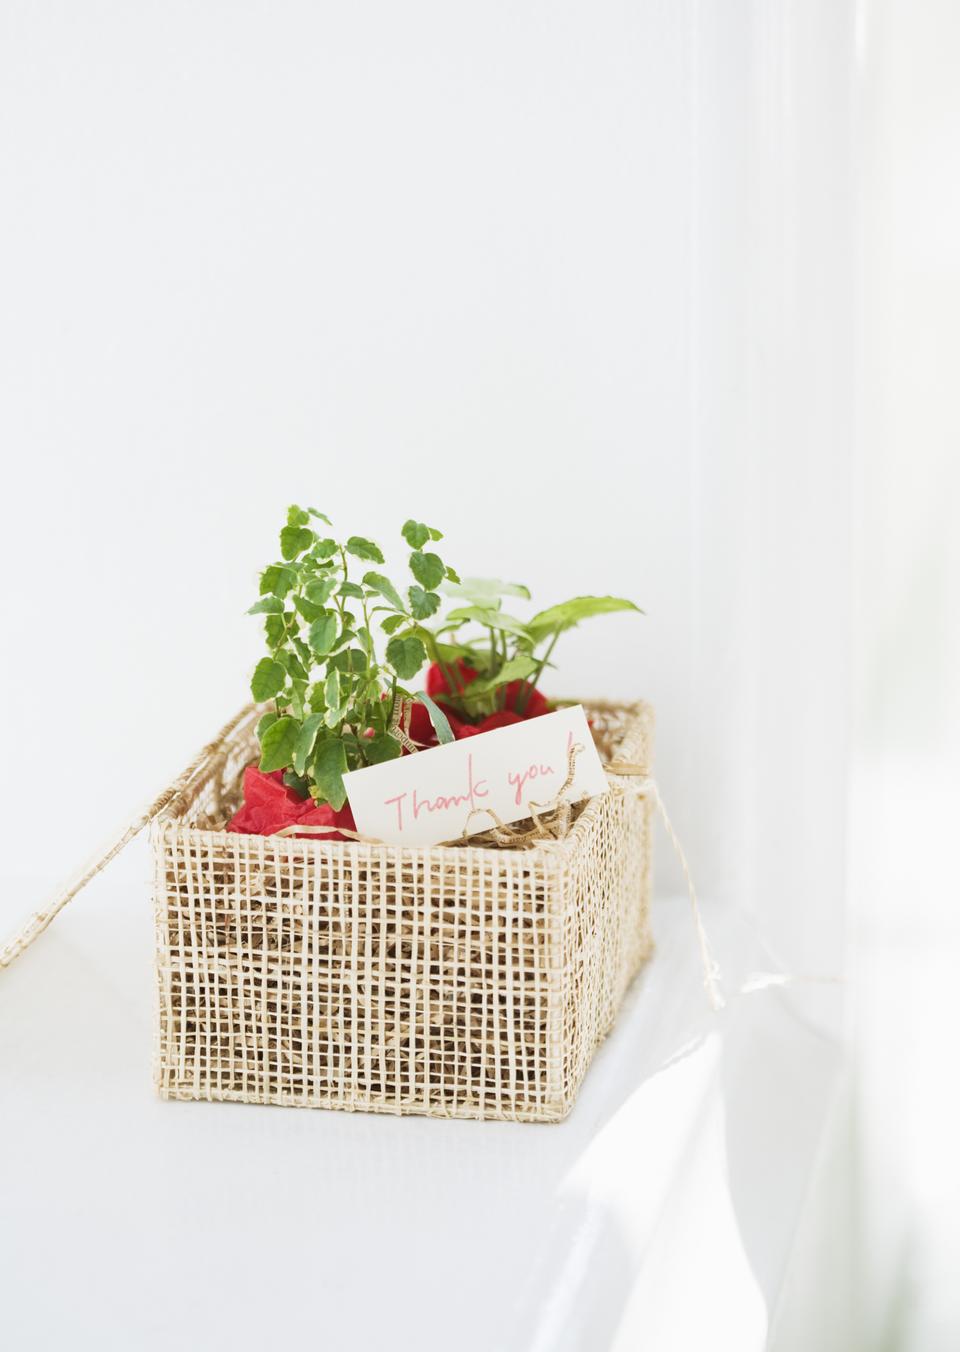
x: 531, y: 681
x: 337, y: 600
x: 365, y: 685
x: 501, y: 695
x: 434, y: 653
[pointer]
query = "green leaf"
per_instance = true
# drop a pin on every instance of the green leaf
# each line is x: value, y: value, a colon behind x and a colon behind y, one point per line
x: 292, y: 663
x: 305, y: 740
x: 276, y: 748
x: 423, y: 604
x: 385, y: 588
x: 493, y: 619
x: 438, y: 718
x: 364, y: 549
x: 452, y: 575
x: 275, y: 630
x: 351, y: 744
x: 517, y: 668
x: 345, y: 636
x: 265, y: 722
x: 307, y: 609
x: 485, y: 589
x: 328, y: 768
x: 324, y: 549
x: 302, y: 651
x: 267, y: 605
x: 316, y: 696
x: 294, y: 540
x: 320, y: 591
x: 298, y: 783
x: 449, y: 652
x: 320, y: 516
x: 322, y: 634
x: 296, y: 516
x: 351, y: 589
x: 381, y: 748
x: 406, y: 656
x: 353, y: 661
x: 428, y: 569
x: 298, y: 690
x: 392, y: 623
x: 568, y: 613
x: 277, y: 580
x: 269, y: 678
x: 331, y: 690
x: 417, y: 534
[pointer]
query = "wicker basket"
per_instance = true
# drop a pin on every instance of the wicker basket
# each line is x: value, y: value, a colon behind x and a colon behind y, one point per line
x: 451, y: 981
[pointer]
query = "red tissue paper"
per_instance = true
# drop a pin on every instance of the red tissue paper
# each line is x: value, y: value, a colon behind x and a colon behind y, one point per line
x: 269, y: 805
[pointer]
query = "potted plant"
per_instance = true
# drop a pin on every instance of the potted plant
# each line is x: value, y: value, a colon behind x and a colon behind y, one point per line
x: 298, y: 964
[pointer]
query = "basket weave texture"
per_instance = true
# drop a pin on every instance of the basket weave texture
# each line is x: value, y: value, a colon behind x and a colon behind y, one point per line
x: 452, y: 981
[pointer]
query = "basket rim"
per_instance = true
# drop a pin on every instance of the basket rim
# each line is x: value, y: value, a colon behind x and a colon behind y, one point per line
x: 168, y: 821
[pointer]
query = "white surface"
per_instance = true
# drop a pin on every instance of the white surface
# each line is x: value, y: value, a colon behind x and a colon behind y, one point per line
x: 128, y: 1222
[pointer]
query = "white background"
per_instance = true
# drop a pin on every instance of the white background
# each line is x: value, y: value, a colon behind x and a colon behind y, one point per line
x: 906, y: 774
x: 577, y: 283
x: 566, y: 281
x: 877, y: 1267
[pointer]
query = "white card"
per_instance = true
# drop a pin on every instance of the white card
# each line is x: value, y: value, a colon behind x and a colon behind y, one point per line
x: 433, y: 795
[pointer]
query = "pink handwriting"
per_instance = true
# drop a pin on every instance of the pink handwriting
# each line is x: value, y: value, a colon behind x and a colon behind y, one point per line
x: 532, y: 772
x: 475, y: 789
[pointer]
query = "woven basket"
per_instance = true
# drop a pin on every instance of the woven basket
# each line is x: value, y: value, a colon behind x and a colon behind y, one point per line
x: 451, y: 981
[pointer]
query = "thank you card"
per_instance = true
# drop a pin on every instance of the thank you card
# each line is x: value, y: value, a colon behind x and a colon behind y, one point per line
x: 467, y: 785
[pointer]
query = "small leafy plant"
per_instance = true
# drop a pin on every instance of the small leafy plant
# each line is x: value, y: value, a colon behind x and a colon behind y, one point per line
x: 338, y: 700
x: 502, y: 667
x: 345, y: 644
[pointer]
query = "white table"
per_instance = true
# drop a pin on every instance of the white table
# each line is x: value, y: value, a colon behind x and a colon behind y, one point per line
x: 661, y: 1214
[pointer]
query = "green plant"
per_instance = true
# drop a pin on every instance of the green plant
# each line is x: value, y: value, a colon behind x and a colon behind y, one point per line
x: 509, y: 650
x: 337, y: 703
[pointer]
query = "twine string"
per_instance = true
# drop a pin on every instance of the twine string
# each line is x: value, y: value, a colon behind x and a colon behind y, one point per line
x: 756, y: 981
x: 400, y: 716
x: 547, y: 821
x: 646, y: 784
x: 296, y: 829
x: 35, y: 926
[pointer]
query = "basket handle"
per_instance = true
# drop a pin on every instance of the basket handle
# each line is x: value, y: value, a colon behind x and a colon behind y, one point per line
x: 171, y: 797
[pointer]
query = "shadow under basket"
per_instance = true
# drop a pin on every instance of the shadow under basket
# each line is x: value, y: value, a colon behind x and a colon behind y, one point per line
x: 452, y: 981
